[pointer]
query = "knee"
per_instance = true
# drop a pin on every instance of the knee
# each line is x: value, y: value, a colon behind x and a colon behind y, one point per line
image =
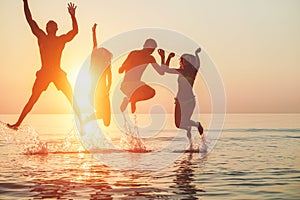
x: 152, y: 92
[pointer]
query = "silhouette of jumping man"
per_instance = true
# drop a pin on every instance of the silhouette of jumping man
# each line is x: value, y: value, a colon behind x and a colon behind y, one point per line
x: 51, y: 47
x: 185, y: 98
x: 100, y: 71
x: 134, y: 67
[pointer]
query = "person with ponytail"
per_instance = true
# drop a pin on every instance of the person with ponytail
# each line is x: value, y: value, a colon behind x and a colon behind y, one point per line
x: 185, y: 99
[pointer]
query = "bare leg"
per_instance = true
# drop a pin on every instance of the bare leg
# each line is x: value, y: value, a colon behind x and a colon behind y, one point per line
x: 106, y: 113
x: 124, y: 104
x: 143, y: 93
x: 189, y: 136
x: 200, y: 128
x: 33, y: 99
x: 67, y: 91
x: 184, y: 114
x: 177, y: 114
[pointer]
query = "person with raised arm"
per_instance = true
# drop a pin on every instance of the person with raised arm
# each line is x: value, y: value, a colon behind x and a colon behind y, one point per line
x: 101, y: 79
x: 134, y: 66
x: 185, y: 99
x: 50, y: 47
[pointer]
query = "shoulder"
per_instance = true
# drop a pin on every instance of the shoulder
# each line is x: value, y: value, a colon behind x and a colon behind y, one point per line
x: 61, y: 37
x: 134, y: 53
x: 151, y: 58
x: 41, y: 35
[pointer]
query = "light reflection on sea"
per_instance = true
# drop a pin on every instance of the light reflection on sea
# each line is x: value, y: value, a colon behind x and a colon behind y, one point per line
x: 255, y: 158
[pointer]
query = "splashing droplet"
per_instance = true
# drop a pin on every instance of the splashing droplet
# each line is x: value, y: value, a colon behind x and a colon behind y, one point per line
x: 131, y: 140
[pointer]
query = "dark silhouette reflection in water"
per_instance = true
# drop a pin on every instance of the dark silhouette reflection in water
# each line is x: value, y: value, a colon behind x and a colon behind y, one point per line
x: 87, y: 184
x: 73, y: 175
x: 186, y: 186
x: 82, y: 179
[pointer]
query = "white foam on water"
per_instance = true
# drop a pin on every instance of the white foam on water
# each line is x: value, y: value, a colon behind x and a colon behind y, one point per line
x: 202, y: 144
x: 28, y: 142
x: 26, y: 139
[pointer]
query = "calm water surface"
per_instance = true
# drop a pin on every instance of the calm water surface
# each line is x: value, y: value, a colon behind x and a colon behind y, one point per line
x: 256, y: 157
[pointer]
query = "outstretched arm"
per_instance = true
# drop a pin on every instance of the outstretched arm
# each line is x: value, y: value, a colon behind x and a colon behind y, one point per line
x: 95, y: 44
x: 71, y: 34
x: 33, y: 25
x: 158, y: 68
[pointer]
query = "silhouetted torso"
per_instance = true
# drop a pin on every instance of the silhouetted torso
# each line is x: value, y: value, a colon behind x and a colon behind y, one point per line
x: 135, y: 65
x: 51, y: 48
x: 185, y: 81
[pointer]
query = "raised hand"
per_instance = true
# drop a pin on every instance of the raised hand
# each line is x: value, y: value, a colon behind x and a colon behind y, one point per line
x: 197, y: 64
x: 161, y: 52
x: 72, y: 8
x: 170, y: 56
x: 95, y: 44
x: 198, y: 50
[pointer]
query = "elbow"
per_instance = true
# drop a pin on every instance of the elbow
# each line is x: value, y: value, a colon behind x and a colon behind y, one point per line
x: 75, y: 27
x: 75, y: 30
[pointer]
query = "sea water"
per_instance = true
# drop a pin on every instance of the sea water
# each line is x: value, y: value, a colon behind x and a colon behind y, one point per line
x: 256, y: 157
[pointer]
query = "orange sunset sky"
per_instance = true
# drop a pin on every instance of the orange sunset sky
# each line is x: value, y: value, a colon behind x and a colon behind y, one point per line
x: 255, y: 46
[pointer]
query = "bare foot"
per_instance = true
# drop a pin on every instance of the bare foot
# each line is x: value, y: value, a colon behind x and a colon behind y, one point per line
x: 14, y: 126
x: 200, y: 128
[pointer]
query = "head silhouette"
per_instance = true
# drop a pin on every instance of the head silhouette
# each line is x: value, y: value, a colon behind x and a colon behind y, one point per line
x: 150, y: 45
x: 51, y: 27
x: 187, y: 60
x: 101, y: 57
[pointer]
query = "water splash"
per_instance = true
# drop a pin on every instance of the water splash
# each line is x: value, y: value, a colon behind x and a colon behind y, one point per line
x: 28, y: 142
x: 70, y: 144
x: 26, y: 139
x: 201, y: 145
x: 205, y: 144
x: 131, y: 140
x: 94, y: 138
